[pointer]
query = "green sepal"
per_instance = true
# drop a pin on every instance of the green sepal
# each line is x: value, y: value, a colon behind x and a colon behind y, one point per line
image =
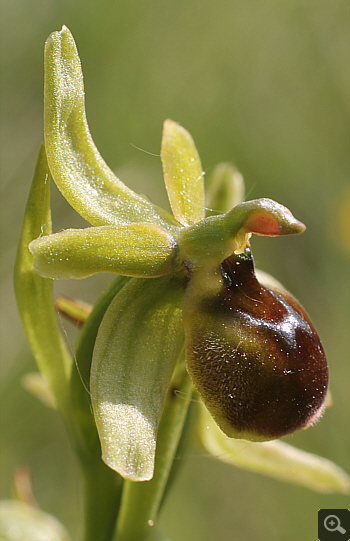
x: 75, y: 163
x: 139, y: 341
x: 182, y: 174
x: 141, y: 250
x: 34, y: 294
x: 80, y: 377
x: 274, y: 458
x: 212, y: 240
x: 21, y: 521
x: 224, y: 189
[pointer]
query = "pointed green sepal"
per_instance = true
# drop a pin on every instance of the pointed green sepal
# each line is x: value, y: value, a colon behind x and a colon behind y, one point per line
x: 137, y: 346
x: 75, y: 163
x: 274, y: 458
x: 215, y: 238
x: 182, y: 174
x: 224, y: 189
x: 141, y: 250
x: 80, y: 378
x: 34, y: 294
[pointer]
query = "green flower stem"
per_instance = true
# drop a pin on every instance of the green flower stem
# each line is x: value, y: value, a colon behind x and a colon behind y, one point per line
x: 102, y: 493
x: 141, y: 501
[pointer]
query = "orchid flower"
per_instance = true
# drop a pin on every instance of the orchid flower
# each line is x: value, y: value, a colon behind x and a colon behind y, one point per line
x: 186, y: 316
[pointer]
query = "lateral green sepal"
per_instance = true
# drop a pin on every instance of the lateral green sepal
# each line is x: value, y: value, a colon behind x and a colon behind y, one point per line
x: 274, y: 458
x: 139, y: 341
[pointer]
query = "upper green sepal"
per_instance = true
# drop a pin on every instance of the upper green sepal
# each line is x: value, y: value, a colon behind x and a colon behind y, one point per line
x: 75, y: 163
x: 140, y: 250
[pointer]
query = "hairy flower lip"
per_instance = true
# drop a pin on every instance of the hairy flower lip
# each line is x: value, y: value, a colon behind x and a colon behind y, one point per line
x: 253, y: 355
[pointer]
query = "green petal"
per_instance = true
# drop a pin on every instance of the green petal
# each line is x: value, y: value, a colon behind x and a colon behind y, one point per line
x: 34, y: 294
x: 75, y: 163
x: 131, y: 250
x: 275, y: 459
x: 20, y: 521
x: 182, y: 174
x: 224, y: 189
x: 137, y: 346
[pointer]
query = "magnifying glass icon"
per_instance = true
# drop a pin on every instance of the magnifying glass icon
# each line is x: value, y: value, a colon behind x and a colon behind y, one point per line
x: 332, y: 524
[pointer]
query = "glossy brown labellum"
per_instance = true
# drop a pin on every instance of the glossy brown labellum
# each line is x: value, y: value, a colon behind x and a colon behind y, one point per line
x: 254, y: 356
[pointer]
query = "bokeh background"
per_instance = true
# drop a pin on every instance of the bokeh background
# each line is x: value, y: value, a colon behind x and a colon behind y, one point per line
x: 262, y: 84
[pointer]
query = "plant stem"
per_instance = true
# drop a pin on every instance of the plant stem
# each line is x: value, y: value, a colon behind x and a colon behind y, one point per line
x: 140, y: 501
x: 102, y: 493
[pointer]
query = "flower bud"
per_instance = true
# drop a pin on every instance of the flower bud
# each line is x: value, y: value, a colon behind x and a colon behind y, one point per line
x: 253, y: 355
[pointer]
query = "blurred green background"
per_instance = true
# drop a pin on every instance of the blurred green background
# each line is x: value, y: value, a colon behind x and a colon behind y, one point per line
x: 262, y: 84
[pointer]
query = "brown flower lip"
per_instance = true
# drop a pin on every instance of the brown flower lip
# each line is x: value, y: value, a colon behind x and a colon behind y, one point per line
x: 259, y: 366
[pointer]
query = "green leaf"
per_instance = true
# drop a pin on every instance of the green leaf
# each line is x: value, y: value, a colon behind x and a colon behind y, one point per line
x: 34, y: 294
x: 275, y: 459
x: 139, y: 341
x: 132, y: 250
x: 22, y: 522
x: 182, y: 174
x: 75, y: 163
x: 224, y: 189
